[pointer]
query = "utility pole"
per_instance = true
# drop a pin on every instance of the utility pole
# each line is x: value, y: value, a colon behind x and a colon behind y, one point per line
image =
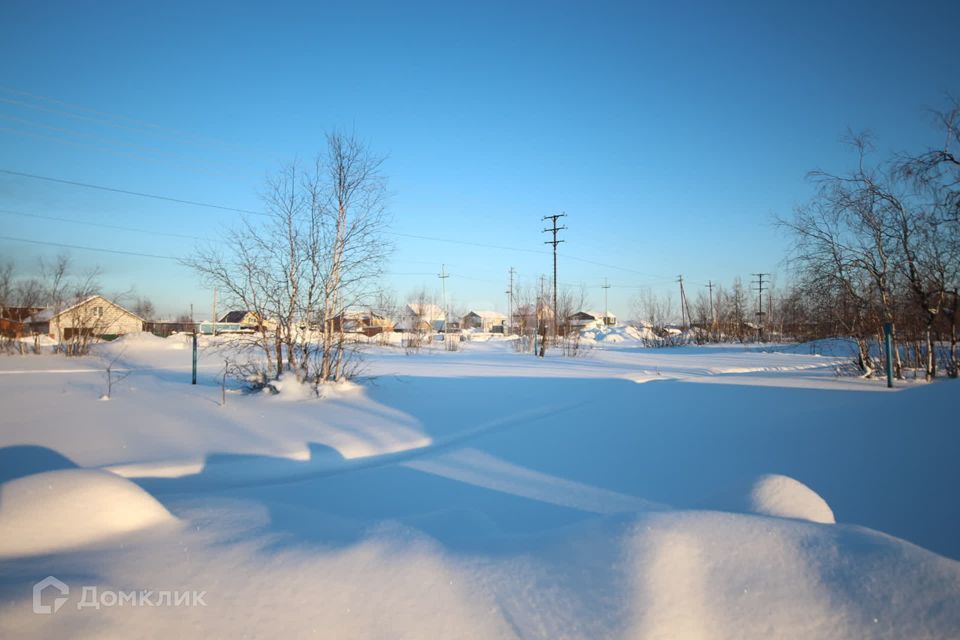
x: 684, y: 311
x: 509, y: 293
x: 214, y: 320
x: 713, y: 316
x: 541, y: 349
x: 760, y: 314
x: 606, y: 309
x: 443, y: 275
x: 554, y: 229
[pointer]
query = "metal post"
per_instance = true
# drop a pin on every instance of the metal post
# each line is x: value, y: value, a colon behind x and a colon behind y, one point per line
x: 888, y: 347
x: 194, y: 358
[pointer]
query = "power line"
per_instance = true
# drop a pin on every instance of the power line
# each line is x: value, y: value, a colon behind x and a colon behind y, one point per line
x: 85, y: 248
x: 104, y: 148
x: 146, y: 152
x: 100, y: 224
x: 141, y: 194
x: 196, y: 203
x: 463, y: 242
x: 105, y: 118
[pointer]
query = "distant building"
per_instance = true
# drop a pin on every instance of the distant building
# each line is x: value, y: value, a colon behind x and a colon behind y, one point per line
x: 12, y: 320
x: 238, y: 321
x: 246, y: 319
x: 421, y: 317
x: 366, y: 322
x: 485, y: 321
x: 585, y: 320
x: 94, y: 317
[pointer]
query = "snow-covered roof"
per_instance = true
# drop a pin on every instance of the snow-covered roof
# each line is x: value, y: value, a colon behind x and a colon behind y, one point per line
x: 488, y: 315
x: 91, y: 299
x: 426, y: 311
x: 43, y: 315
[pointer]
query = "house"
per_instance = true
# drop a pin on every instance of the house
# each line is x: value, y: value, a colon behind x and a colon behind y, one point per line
x: 94, y: 317
x: 244, y: 318
x: 484, y: 321
x: 418, y: 316
x: 12, y: 320
x: 239, y: 321
x: 366, y: 322
x: 525, y: 318
x: 585, y: 320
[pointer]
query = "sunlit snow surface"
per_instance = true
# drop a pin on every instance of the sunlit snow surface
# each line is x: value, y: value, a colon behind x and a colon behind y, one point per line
x: 484, y: 494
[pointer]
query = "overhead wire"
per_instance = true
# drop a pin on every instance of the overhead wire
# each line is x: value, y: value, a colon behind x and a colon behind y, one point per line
x: 103, y: 225
x: 657, y: 277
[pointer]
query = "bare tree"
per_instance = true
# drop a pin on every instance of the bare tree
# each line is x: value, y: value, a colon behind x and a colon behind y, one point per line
x: 319, y: 251
x: 144, y: 308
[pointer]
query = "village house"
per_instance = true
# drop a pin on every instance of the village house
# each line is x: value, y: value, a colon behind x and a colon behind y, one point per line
x: 366, y: 322
x: 484, y: 321
x: 12, y: 320
x: 586, y: 320
x: 94, y: 317
x: 418, y: 316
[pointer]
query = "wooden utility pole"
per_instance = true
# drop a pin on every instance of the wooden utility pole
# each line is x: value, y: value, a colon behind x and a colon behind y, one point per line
x: 606, y: 309
x: 509, y: 293
x: 443, y: 275
x: 684, y: 311
x: 760, y: 313
x: 713, y: 315
x: 554, y: 229
x: 214, y: 320
x: 541, y: 349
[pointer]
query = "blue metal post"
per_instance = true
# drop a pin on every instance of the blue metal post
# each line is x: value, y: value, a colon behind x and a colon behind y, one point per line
x: 194, y: 358
x: 888, y: 347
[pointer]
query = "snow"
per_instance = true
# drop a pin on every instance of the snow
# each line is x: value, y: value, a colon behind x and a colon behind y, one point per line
x: 739, y: 492
x: 58, y: 510
x: 774, y: 495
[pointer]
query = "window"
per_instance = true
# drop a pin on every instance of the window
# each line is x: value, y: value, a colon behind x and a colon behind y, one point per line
x: 99, y: 312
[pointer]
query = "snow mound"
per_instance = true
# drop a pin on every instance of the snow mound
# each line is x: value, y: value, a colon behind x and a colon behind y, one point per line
x: 774, y: 495
x: 59, y: 510
x: 146, y: 341
x: 719, y: 575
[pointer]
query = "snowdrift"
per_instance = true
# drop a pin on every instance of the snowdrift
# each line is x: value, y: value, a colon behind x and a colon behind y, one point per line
x: 620, y: 333
x: 774, y: 495
x: 60, y: 510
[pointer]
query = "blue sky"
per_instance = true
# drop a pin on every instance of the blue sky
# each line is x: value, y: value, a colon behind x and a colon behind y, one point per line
x: 669, y: 135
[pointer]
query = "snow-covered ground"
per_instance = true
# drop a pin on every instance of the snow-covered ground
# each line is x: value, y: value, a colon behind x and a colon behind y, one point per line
x: 692, y: 492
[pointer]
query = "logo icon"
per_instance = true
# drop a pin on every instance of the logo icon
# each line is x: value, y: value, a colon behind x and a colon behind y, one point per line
x: 43, y: 585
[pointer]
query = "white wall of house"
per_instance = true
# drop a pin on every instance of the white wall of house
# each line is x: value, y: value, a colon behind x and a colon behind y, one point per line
x: 485, y: 321
x: 98, y: 315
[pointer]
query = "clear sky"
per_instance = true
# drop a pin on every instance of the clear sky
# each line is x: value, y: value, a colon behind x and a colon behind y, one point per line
x: 670, y: 133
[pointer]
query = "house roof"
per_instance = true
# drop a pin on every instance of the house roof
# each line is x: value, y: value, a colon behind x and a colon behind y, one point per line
x: 234, y: 316
x: 596, y: 315
x: 18, y: 314
x: 40, y: 316
x: 90, y: 299
x: 427, y: 311
x: 487, y: 315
